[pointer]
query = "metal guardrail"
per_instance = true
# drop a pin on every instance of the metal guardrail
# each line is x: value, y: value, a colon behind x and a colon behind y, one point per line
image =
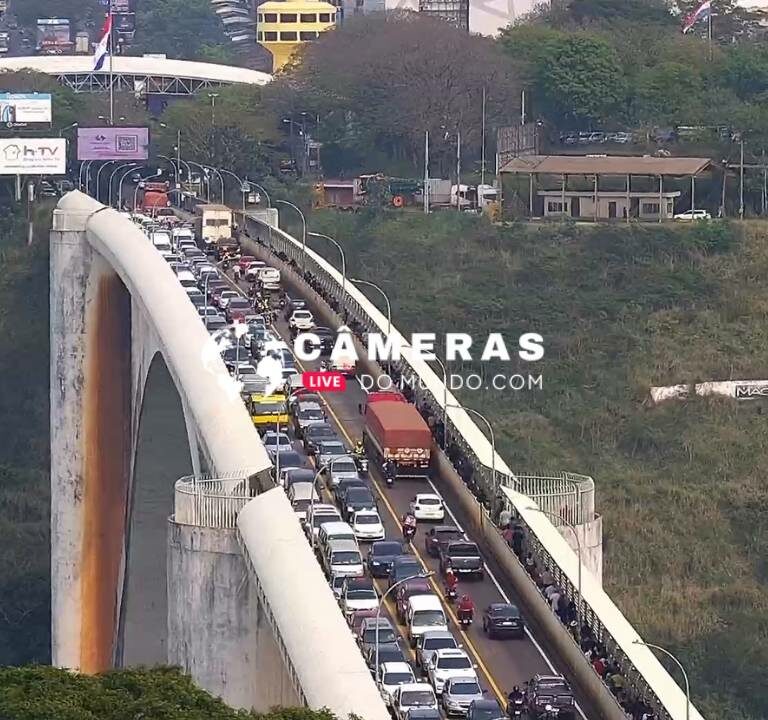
x: 645, y: 675
x: 210, y: 502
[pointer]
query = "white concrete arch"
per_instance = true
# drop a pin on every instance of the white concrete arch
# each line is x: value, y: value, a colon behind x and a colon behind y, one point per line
x: 115, y: 304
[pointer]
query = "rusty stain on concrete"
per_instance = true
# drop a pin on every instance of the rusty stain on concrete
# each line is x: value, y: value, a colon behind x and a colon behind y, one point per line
x: 107, y: 411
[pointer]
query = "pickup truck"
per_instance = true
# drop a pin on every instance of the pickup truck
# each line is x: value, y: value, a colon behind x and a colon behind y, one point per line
x: 463, y: 556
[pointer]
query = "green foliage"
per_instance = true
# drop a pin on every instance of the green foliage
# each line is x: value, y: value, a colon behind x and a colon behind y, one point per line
x: 27, y: 11
x: 186, y: 29
x: 31, y: 693
x: 681, y: 485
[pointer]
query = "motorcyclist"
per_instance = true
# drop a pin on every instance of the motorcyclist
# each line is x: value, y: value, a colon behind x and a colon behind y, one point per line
x: 409, y: 523
x: 390, y: 470
x: 451, y: 581
x: 359, y: 449
x: 515, y: 700
x: 466, y: 608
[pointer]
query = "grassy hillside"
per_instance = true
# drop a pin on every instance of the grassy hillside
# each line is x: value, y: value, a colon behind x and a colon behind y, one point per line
x: 24, y: 488
x: 682, y: 485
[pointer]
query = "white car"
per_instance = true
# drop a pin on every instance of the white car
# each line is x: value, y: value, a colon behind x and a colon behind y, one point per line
x: 367, y: 525
x: 691, y: 215
x: 428, y: 506
x: 302, y: 320
x: 447, y: 663
x: 412, y: 695
x: 391, y: 676
x: 358, y: 593
x: 253, y: 270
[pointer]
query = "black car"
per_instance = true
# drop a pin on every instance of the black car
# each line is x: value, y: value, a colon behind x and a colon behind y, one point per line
x: 327, y: 339
x: 381, y: 555
x: 295, y: 474
x: 503, y: 620
x: 388, y: 652
x: 404, y: 566
x: 315, y: 434
x: 553, y: 690
x: 356, y: 498
x: 485, y: 709
x: 463, y: 556
x: 424, y: 713
x: 439, y: 536
x: 344, y: 484
x: 288, y: 459
x: 233, y: 355
x: 293, y: 303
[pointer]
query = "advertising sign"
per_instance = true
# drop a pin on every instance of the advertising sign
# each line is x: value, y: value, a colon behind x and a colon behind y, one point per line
x: 53, y: 35
x: 33, y: 156
x: 112, y: 143
x: 25, y: 108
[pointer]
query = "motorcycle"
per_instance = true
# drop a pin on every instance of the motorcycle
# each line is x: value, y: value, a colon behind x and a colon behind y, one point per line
x: 465, y: 620
x: 408, y: 532
x: 450, y: 595
x: 550, y: 713
x: 362, y: 463
x: 389, y: 480
x: 515, y: 708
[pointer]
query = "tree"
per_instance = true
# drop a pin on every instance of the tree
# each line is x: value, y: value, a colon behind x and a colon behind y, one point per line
x: 186, y: 29
x: 376, y: 84
x: 27, y: 11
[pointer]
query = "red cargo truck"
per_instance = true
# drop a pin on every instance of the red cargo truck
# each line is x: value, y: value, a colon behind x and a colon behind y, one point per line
x: 395, y: 430
x: 155, y: 198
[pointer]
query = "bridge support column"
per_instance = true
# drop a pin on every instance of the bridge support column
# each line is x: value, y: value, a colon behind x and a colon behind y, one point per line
x: 90, y: 444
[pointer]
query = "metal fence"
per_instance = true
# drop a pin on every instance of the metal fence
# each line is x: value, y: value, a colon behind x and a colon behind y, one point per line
x: 210, y: 502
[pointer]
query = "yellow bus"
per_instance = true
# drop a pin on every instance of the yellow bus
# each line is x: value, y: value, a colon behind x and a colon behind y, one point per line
x: 267, y: 411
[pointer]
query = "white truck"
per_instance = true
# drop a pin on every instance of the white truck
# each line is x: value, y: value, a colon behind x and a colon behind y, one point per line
x: 214, y: 223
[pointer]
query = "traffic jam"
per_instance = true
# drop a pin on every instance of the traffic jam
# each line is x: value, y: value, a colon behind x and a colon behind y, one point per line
x: 439, y: 634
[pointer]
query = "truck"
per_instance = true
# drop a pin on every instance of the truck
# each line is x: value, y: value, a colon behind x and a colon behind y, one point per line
x: 396, y: 431
x: 155, y: 197
x: 213, y: 223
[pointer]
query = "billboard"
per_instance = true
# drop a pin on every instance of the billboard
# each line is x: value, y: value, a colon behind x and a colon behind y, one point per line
x: 25, y: 107
x: 113, y: 143
x: 53, y: 34
x: 33, y: 156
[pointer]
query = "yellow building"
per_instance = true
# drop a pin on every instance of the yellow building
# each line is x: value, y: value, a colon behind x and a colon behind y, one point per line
x: 283, y: 25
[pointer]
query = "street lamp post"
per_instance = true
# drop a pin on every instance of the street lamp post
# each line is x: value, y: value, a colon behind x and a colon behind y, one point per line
x: 112, y: 177
x: 243, y: 191
x: 578, y: 546
x: 343, y: 262
x: 493, y: 441
x: 357, y: 281
x: 261, y: 189
x: 204, y: 174
x: 98, y: 176
x: 277, y: 429
x: 68, y: 127
x: 136, y: 191
x: 304, y: 231
x: 682, y: 670
x: 176, y: 169
x: 120, y: 182
x: 83, y: 166
x: 445, y: 400
x: 381, y: 603
x: 215, y: 171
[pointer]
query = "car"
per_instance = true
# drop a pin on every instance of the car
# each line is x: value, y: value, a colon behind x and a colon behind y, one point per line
x: 292, y: 304
x: 216, y: 324
x: 277, y: 441
x: 341, y: 469
x: 370, y: 627
x: 237, y: 308
x: 301, y: 394
x: 197, y: 300
x: 412, y: 696
x: 245, y: 262
x: 342, y: 557
x: 485, y: 709
x: 316, y: 434
x: 208, y: 310
x: 406, y: 590
x: 388, y: 652
x: 328, y: 450
x: 439, y: 536
x: 343, y: 485
x: 337, y: 583
x: 691, y: 215
x: 222, y: 298
x: 503, y: 620
x: 422, y: 713
x: 404, y: 566
x: 318, y: 514
x: 327, y: 338
x: 459, y: 693
x: 307, y: 414
x: 355, y: 499
x: 358, y: 593
x: 301, y: 321
x: 355, y: 621
x: 234, y: 354
x: 292, y: 474
x: 253, y: 269
x: 289, y: 458
x: 432, y: 641
x: 367, y: 525
x: 303, y: 496
x: 549, y: 690
x: 428, y: 506
x: 390, y: 676
x: 380, y: 557
x: 463, y: 556
x: 447, y: 663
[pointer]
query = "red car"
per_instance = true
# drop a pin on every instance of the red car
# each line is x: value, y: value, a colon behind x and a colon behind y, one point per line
x: 245, y: 262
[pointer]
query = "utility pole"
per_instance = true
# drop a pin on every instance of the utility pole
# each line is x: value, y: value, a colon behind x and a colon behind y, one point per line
x: 426, y: 172
x: 741, y: 178
x: 522, y: 106
x: 482, y: 150
x: 458, y: 170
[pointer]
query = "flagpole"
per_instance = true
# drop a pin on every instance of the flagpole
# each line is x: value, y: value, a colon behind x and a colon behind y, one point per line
x: 709, y: 33
x: 110, y: 50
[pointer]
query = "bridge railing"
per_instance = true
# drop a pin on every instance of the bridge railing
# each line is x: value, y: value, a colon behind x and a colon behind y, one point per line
x: 210, y: 502
x: 636, y: 663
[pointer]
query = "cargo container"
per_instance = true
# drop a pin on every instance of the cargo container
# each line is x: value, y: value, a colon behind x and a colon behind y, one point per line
x: 395, y: 430
x: 213, y: 223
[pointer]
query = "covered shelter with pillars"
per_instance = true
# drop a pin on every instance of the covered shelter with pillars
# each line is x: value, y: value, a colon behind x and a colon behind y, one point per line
x: 602, y: 187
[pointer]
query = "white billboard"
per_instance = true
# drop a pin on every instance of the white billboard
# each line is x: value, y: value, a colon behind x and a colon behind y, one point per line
x: 25, y: 108
x: 33, y: 156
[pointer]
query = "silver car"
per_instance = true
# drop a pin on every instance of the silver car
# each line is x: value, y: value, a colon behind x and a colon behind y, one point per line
x: 342, y: 469
x: 458, y: 693
x: 328, y: 450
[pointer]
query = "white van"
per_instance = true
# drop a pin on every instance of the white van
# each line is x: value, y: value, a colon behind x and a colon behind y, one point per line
x: 187, y: 279
x: 330, y: 531
x: 270, y: 278
x: 302, y: 495
x: 425, y: 613
x: 343, y: 559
